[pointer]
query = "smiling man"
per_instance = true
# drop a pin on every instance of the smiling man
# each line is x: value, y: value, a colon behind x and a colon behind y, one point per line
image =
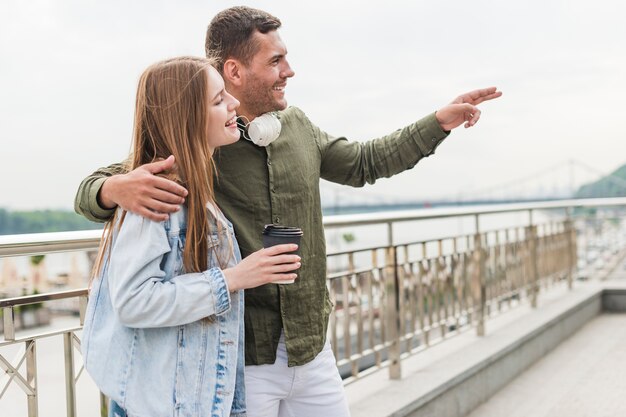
x: 290, y: 365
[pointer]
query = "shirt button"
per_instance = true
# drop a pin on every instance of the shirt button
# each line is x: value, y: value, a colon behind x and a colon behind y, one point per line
x: 434, y: 140
x: 277, y: 219
x: 274, y: 190
x: 269, y: 162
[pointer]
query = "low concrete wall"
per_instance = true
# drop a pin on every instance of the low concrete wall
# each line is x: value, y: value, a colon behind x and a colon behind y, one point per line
x: 472, y: 388
x: 614, y: 300
x: 457, y: 383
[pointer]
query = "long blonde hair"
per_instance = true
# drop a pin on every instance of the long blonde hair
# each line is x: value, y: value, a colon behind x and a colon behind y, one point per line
x: 171, y: 118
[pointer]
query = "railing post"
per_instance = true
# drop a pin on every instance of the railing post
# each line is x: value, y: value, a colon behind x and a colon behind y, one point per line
x: 570, y: 231
x: 347, y: 338
x: 393, y: 313
x: 480, y: 289
x: 422, y: 303
x: 31, y: 377
x: 531, y: 238
x: 9, y: 323
x: 442, y: 310
x: 82, y: 308
x: 70, y: 384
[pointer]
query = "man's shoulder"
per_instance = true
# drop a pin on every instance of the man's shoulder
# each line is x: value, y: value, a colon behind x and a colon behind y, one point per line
x: 291, y: 113
x: 294, y: 118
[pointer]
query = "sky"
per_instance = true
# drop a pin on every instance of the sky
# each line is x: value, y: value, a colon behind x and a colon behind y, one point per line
x: 69, y: 69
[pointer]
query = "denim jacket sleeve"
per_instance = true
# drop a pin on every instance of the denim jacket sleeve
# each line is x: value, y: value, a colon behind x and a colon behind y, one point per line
x: 144, y: 295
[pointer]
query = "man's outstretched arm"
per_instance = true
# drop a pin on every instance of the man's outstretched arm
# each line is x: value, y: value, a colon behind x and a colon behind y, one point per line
x: 356, y: 163
x: 139, y: 191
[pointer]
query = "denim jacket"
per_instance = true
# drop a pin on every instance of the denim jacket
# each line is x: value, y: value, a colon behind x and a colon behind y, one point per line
x: 161, y: 342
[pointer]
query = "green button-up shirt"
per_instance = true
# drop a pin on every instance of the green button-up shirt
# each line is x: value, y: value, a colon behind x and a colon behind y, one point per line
x: 280, y: 184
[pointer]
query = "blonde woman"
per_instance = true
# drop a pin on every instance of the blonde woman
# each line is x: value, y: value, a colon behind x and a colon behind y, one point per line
x: 164, y: 331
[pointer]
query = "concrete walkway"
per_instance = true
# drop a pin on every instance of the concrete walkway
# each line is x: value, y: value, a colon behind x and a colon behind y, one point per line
x: 584, y: 377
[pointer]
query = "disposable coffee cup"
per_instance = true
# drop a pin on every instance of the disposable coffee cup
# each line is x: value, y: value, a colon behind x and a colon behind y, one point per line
x: 279, y: 235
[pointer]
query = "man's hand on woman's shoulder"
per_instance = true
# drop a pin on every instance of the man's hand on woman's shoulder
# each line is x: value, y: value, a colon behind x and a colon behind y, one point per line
x: 142, y: 192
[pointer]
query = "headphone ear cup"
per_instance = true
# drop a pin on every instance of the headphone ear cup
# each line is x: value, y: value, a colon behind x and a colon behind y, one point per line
x: 255, y: 132
x: 264, y: 130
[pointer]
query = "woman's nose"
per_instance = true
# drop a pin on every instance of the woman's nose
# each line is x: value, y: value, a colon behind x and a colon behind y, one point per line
x: 233, y: 104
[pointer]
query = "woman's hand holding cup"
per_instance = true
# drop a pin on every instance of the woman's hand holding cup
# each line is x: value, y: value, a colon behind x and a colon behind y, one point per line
x: 265, y: 266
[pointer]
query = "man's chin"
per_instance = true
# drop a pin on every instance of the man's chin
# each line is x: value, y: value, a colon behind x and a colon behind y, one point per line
x: 281, y: 105
x: 276, y: 105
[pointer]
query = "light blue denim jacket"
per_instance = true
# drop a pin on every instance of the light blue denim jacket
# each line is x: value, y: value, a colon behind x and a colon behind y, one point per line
x: 161, y: 342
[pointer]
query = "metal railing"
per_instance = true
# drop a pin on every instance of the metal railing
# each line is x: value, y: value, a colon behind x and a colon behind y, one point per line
x: 409, y: 296
x: 391, y: 300
x: 71, y: 342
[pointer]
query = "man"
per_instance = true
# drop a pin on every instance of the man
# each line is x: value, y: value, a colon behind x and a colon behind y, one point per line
x: 290, y: 367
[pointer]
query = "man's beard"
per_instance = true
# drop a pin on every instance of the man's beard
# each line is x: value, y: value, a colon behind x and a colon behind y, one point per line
x: 260, y: 98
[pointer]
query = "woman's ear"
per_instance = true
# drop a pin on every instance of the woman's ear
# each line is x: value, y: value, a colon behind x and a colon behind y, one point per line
x: 233, y: 72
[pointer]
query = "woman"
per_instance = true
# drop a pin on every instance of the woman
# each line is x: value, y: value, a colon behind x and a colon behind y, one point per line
x: 163, y: 334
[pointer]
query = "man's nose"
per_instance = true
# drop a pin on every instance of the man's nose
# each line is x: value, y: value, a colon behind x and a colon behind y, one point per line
x: 286, y: 71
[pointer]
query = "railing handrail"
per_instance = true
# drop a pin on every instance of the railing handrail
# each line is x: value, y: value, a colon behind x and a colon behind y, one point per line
x: 43, y: 243
x: 343, y: 220
x: 38, y: 298
x: 36, y: 243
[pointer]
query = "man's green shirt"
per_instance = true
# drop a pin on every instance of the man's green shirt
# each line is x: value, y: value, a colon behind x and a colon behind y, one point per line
x: 280, y: 184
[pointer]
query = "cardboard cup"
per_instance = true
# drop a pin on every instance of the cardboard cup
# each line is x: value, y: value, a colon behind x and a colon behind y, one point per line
x: 279, y: 236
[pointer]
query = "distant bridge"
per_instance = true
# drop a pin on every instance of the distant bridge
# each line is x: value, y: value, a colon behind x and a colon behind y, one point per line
x: 560, y: 181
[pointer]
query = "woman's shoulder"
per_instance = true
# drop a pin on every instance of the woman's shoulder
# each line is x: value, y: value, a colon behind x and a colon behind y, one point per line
x: 134, y: 223
x: 176, y: 221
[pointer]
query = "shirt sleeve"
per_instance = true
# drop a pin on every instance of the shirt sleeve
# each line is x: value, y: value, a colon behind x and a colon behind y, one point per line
x: 86, y: 200
x: 141, y: 295
x: 357, y: 163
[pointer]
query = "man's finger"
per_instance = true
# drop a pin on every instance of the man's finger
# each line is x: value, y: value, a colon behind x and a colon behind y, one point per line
x: 486, y: 94
x: 152, y: 215
x: 475, y: 115
x: 487, y: 97
x: 478, y: 96
x: 160, y: 207
x: 169, y: 186
x: 165, y: 197
x: 160, y: 166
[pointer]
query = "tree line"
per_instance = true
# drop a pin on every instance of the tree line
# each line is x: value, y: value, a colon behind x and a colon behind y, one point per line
x: 612, y: 185
x: 42, y: 221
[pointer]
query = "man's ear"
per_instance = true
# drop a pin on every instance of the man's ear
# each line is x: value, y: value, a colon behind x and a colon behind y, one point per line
x: 233, y: 72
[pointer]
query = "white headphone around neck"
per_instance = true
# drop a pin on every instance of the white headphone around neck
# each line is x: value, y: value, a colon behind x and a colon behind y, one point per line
x: 263, y: 130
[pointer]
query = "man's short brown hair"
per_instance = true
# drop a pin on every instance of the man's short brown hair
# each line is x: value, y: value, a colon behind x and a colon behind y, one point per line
x: 229, y: 34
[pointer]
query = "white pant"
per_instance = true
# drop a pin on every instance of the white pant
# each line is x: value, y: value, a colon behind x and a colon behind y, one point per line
x: 311, y: 390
